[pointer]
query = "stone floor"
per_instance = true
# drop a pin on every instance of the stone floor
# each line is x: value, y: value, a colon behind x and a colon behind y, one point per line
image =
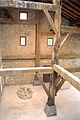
x: 14, y: 108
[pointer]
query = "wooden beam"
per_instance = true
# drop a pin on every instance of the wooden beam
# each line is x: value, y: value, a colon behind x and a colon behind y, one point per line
x: 70, y: 13
x: 72, y: 5
x: 70, y: 8
x: 32, y: 70
x: 38, y: 39
x: 75, y: 22
x: 19, y: 57
x: 28, y: 5
x: 65, y: 39
x: 49, y: 18
x: 42, y: 83
x: 72, y: 79
x: 57, y: 80
x: 60, y: 85
x: 74, y: 30
x: 66, y: 16
x: 10, y: 21
x: 52, y: 83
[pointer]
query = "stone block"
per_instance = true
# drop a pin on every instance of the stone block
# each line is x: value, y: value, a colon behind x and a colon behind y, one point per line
x: 50, y: 110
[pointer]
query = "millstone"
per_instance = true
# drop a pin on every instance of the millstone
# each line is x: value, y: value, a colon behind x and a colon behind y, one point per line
x: 24, y: 93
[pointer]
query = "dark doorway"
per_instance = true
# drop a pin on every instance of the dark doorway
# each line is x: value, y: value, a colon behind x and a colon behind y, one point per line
x: 46, y: 77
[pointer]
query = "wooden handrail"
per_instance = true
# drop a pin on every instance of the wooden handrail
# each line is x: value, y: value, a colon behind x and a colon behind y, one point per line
x: 30, y: 70
x: 66, y: 75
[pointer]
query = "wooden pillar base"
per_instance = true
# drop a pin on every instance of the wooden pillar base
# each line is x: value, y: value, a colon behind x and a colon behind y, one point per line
x: 50, y: 110
x: 36, y: 81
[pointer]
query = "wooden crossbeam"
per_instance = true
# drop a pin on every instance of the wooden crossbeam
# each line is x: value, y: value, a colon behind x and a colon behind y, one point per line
x: 28, y: 5
x: 72, y: 79
x: 49, y: 18
x: 32, y: 70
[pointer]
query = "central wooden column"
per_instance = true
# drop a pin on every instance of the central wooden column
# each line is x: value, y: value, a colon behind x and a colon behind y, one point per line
x: 50, y: 108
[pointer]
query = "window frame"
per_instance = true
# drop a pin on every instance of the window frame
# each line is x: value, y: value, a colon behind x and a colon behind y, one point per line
x: 23, y: 12
x: 52, y: 42
x: 20, y: 40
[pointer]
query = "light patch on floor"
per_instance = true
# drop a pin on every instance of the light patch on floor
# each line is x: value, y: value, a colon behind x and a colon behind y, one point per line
x: 14, y: 108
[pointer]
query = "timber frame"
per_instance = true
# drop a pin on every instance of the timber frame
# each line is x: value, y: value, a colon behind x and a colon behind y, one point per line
x: 58, y: 74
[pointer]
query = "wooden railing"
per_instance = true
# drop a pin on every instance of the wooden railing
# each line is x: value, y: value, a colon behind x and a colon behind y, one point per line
x: 63, y: 74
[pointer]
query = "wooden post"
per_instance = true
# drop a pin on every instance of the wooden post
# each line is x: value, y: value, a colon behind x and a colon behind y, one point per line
x: 37, y: 64
x: 50, y: 108
x: 57, y: 21
x: 38, y: 39
x: 0, y: 46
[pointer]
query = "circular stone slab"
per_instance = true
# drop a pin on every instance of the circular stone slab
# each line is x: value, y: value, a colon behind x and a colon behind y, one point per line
x: 24, y: 93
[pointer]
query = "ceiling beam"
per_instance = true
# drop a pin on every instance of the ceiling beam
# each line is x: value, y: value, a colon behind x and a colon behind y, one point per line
x: 66, y: 14
x: 70, y: 13
x: 28, y: 5
x: 72, y: 5
x: 70, y: 8
x: 75, y: 22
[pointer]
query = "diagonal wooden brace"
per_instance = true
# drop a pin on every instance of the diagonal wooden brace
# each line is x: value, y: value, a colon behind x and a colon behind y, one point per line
x: 49, y: 18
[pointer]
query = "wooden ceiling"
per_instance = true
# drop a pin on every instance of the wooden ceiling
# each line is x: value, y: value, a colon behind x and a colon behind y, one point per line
x: 71, y: 10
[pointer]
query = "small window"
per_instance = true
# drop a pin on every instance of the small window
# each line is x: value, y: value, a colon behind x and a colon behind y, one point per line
x: 50, y: 41
x: 23, y: 16
x: 23, y: 41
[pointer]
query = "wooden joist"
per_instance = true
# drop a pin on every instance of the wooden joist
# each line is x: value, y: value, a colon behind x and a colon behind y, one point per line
x: 49, y: 18
x: 72, y: 79
x: 32, y: 70
x: 28, y: 5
